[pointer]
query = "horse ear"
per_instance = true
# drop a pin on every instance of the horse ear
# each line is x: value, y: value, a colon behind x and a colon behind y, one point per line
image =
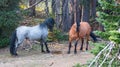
x: 53, y: 20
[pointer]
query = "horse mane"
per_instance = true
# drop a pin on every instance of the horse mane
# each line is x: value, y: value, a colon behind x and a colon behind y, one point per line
x: 42, y: 25
x: 49, y: 21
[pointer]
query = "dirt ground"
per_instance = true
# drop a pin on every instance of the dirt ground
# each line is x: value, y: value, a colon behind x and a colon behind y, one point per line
x: 34, y: 58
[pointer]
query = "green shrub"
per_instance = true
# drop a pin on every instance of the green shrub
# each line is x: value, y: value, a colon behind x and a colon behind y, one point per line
x: 115, y: 36
x: 25, y: 12
x: 8, y: 22
x: 97, y: 48
x: 8, y: 19
x: 79, y: 65
x: 103, y: 35
x: 57, y: 35
x: 4, y: 42
x: 109, y: 16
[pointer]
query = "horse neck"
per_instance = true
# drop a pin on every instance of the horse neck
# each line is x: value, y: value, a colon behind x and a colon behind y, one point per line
x: 43, y: 25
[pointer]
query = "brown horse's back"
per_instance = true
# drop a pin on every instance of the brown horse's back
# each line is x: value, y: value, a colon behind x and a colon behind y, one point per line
x: 85, y: 29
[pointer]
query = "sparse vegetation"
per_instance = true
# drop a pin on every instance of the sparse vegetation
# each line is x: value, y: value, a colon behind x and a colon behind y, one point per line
x: 9, y: 19
x: 63, y: 11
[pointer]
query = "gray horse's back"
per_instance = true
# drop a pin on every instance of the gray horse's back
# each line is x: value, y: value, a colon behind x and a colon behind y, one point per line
x: 38, y: 33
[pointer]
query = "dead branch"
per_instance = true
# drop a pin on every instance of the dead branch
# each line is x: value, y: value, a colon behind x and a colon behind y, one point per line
x: 109, y: 46
x: 110, y: 49
x: 110, y: 63
x: 98, y: 55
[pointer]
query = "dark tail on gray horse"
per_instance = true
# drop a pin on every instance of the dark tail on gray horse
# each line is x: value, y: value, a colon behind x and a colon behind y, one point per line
x: 12, y: 43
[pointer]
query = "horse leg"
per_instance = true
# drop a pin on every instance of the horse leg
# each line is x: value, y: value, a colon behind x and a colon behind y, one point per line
x: 16, y: 46
x: 29, y: 43
x: 87, y: 43
x: 69, y: 47
x: 87, y: 46
x: 15, y: 50
x: 41, y: 43
x: 75, y: 50
x: 47, y: 47
x: 82, y: 40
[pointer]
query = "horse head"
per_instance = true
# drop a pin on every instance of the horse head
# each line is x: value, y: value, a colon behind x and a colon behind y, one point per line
x: 50, y: 23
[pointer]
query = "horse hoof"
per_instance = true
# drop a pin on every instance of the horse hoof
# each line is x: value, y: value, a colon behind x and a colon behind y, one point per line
x: 48, y: 51
x: 68, y: 52
x: 75, y: 52
x: 14, y: 54
x: 43, y: 51
x: 80, y: 48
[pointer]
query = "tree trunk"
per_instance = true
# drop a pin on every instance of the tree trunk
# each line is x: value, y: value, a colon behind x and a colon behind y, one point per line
x: 53, y: 6
x: 65, y: 16
x: 57, y: 13
x: 93, y: 9
x: 72, y: 12
x: 32, y: 10
x: 86, y: 11
x: 47, y: 8
x: 78, y: 13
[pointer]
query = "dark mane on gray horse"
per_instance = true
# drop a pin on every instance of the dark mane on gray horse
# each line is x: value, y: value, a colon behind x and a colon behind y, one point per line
x: 49, y: 22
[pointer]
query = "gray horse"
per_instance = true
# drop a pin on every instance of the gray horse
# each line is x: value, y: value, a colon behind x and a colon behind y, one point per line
x: 38, y: 32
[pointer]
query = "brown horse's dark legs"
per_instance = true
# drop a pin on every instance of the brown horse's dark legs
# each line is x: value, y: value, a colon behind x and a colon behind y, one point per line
x: 82, y: 44
x: 87, y: 45
x: 47, y: 47
x: 69, y: 48
x: 75, y: 51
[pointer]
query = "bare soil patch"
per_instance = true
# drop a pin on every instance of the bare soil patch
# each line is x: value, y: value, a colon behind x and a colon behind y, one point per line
x: 34, y: 58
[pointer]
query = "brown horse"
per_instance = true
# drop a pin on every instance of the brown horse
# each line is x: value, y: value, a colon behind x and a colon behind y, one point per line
x: 84, y: 32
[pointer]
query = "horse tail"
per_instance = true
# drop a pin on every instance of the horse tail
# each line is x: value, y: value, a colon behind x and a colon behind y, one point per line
x: 12, y: 43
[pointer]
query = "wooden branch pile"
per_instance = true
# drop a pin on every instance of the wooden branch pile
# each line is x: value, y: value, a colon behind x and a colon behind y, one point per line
x: 106, y: 53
